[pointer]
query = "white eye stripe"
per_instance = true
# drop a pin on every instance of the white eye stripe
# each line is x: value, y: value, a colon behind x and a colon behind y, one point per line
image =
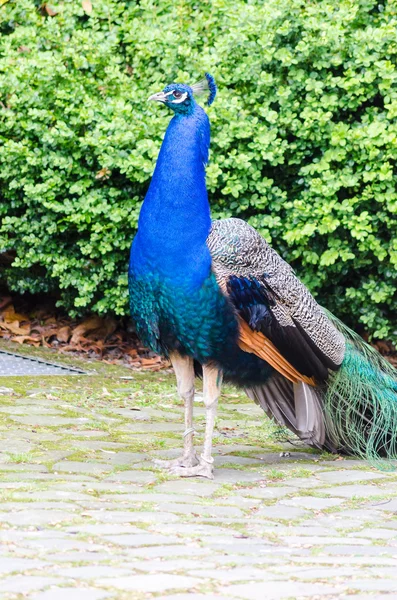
x: 181, y: 99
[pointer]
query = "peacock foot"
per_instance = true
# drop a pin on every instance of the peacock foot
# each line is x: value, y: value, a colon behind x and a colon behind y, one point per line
x: 185, y: 461
x: 202, y: 469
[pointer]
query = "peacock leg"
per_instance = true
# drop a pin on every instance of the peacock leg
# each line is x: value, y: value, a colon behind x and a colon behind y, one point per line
x: 184, y: 372
x: 212, y: 383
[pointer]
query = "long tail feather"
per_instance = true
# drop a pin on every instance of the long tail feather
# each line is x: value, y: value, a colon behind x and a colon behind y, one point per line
x: 360, y: 401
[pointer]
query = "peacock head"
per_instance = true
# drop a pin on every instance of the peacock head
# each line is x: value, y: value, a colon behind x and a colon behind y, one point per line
x: 180, y: 97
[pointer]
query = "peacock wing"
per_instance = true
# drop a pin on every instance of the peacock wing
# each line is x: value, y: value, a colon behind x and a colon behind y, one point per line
x: 278, y: 315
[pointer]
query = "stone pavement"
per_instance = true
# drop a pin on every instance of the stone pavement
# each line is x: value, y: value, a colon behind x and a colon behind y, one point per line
x: 86, y: 515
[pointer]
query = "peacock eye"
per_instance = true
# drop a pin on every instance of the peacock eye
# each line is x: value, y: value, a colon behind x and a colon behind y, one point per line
x: 177, y: 94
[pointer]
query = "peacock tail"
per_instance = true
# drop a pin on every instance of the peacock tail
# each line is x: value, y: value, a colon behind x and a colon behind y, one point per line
x: 360, y: 401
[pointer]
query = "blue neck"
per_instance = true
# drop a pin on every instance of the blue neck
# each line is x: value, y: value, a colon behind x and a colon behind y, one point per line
x: 175, y: 217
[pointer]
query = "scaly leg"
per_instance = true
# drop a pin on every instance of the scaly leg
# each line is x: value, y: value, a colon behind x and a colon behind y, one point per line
x: 184, y: 371
x: 212, y: 380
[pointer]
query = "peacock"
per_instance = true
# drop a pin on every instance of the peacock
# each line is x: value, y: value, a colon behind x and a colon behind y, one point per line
x: 216, y: 299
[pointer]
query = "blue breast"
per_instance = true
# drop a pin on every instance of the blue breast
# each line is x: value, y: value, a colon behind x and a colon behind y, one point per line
x: 175, y: 218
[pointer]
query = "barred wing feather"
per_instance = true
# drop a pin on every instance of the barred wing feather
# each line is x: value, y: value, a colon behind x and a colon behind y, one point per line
x: 271, y: 300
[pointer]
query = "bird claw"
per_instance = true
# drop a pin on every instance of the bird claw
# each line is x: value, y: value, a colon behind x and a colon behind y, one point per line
x: 203, y: 469
x: 184, y: 461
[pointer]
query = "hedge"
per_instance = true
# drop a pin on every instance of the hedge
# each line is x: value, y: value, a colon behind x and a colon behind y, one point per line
x: 304, y: 139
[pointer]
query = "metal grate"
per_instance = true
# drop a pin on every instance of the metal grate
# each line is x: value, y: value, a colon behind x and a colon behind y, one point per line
x: 16, y: 364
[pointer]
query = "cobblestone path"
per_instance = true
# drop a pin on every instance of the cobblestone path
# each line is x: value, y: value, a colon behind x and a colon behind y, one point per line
x: 86, y: 515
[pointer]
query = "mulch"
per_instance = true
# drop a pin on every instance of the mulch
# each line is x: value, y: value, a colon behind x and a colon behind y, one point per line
x: 39, y: 322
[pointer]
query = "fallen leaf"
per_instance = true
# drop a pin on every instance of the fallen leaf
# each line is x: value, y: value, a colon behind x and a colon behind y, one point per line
x: 87, y: 6
x: 14, y: 327
x: 103, y: 173
x: 51, y: 12
x: 88, y: 325
x: 21, y: 339
x: 64, y: 334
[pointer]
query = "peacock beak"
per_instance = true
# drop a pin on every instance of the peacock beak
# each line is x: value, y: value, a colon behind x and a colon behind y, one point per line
x: 159, y: 97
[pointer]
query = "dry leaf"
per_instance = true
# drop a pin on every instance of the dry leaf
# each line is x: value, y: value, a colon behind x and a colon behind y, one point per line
x: 14, y: 327
x: 103, y: 173
x: 64, y: 334
x: 87, y: 6
x: 89, y: 324
x: 49, y: 10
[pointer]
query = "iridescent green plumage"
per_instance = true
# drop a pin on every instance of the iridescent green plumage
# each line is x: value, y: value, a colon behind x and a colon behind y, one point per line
x: 360, y: 401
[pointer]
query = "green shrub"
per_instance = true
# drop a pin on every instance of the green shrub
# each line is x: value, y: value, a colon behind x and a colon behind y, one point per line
x: 304, y: 139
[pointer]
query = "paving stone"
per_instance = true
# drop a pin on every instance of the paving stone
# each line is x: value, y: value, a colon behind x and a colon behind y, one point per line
x: 134, y: 414
x: 92, y: 572
x: 322, y: 573
x: 125, y: 458
x: 265, y: 493
x: 11, y: 565
x: 196, y: 509
x: 143, y: 539
x: 168, y: 566
x: 276, y: 590
x: 146, y: 428
x: 368, y: 597
x: 386, y: 505
x: 323, y: 540
x: 236, y: 460
x: 71, y: 466
x: 21, y: 584
x: 293, y: 457
x: 22, y: 506
x: 306, y: 530
x: 172, y: 551
x: 121, y: 516
x: 67, y: 593
x: 35, y: 518
x: 279, y: 511
x: 52, y: 477
x: 52, y: 421
x: 152, y: 498
x: 344, y: 560
x: 235, y: 476
x: 375, y: 585
x: 99, y: 529
x: 194, y: 487
x: 148, y: 583
x: 312, y: 502
x: 360, y: 550
x: 84, y: 433
x: 98, y: 445
x: 375, y: 534
x: 75, y: 555
x: 193, y: 529
x: 89, y: 486
x: 346, y: 476
x: 231, y: 575
x: 196, y: 597
x: 51, y: 495
x: 352, y: 491
x: 360, y: 514
x: 133, y: 477
x: 23, y: 467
